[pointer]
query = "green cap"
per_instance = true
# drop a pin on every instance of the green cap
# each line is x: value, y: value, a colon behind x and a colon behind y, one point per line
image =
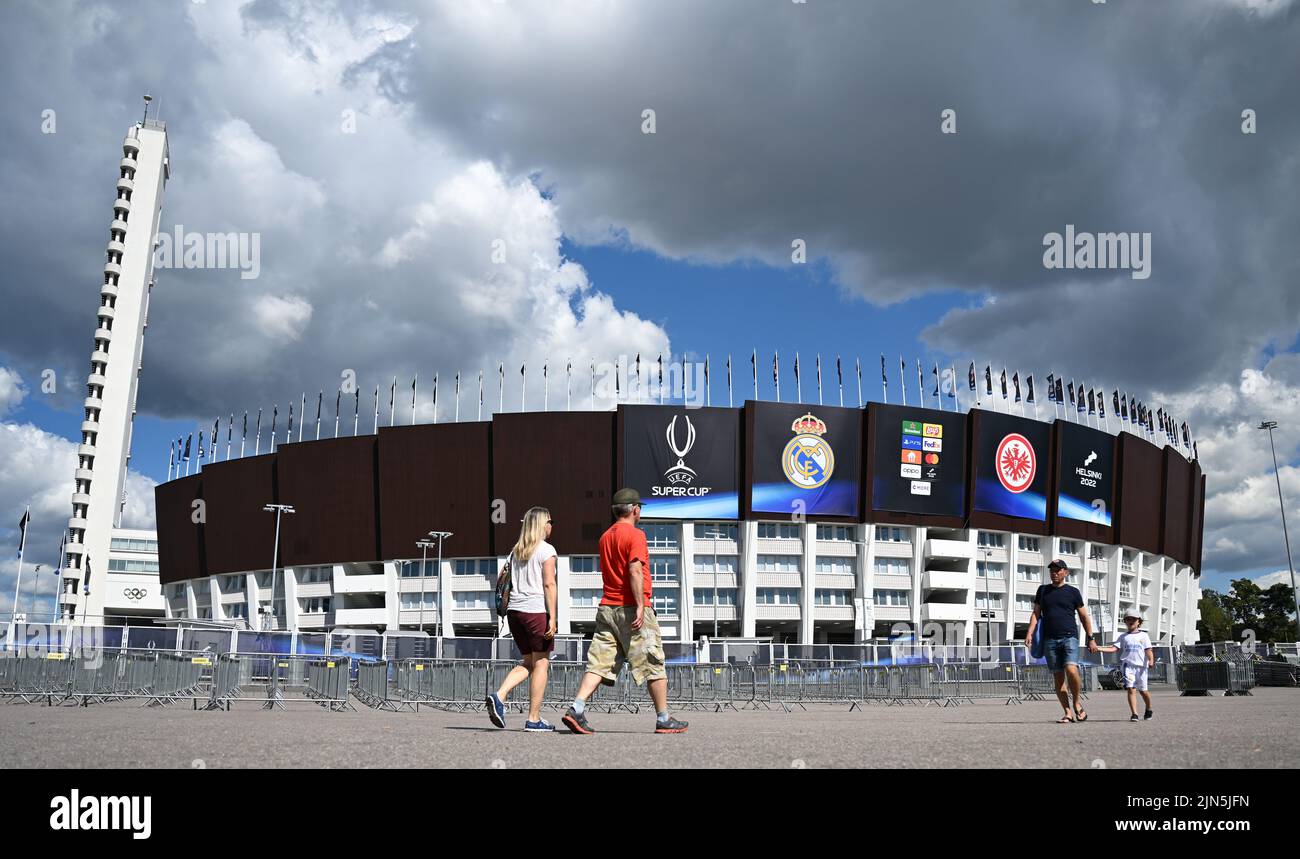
x: 627, y: 496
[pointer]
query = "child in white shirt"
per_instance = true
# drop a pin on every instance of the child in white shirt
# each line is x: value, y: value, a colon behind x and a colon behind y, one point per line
x: 1137, y: 655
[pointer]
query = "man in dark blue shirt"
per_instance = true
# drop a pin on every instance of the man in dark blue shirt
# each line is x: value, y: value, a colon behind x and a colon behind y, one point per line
x: 1055, y: 606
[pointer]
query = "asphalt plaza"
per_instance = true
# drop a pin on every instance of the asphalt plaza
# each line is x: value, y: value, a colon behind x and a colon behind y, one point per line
x: 1257, y: 731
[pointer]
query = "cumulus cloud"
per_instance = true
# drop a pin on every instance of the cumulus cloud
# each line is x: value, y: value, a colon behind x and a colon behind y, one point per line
x: 281, y: 316
x: 38, y: 468
x: 12, y: 390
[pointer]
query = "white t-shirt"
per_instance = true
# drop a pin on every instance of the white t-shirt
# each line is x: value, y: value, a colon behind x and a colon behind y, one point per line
x: 526, y: 593
x: 1133, y: 647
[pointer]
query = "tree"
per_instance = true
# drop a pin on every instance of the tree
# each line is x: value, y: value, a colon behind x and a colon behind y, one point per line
x: 1267, y: 613
x: 1215, y: 624
x: 1278, y: 608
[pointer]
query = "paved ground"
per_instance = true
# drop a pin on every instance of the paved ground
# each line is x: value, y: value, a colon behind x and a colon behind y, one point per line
x: 1259, y: 731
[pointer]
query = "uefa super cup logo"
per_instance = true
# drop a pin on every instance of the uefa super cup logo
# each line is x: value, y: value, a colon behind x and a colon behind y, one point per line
x: 681, y: 472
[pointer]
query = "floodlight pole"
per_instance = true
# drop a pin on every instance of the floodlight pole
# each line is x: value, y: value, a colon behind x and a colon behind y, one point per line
x: 1295, y: 596
x: 439, y: 536
x: 424, y: 569
x: 274, y: 696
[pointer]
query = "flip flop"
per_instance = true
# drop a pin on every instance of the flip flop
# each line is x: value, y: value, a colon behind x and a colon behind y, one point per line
x: 1081, y: 715
x: 1065, y: 720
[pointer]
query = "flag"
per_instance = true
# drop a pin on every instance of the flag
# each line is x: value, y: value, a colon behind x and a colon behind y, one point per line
x: 63, y: 546
x: 289, y: 435
x: 1059, y: 393
x: 1092, y: 404
x: 1015, y: 382
x: 884, y: 378
x: 1123, y: 406
x: 988, y: 379
x: 201, y: 444
x: 186, y: 455
x: 85, y: 581
x: 1101, y: 403
x: 1004, y: 383
x: 1030, y: 398
x: 1051, y: 387
x: 22, y: 529
x: 936, y: 381
x: 1114, y: 401
x: 728, y: 378
x: 1195, y: 455
x: 245, y: 435
x: 1187, y: 437
x: 970, y: 375
x: 1083, y: 405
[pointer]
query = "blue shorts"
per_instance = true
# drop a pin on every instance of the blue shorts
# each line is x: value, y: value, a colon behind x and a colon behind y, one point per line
x: 1061, y: 652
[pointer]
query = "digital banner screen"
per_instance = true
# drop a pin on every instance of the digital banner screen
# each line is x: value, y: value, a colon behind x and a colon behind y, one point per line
x: 1011, y: 466
x: 1085, y: 482
x: 683, y: 462
x: 919, y: 461
x: 806, y: 459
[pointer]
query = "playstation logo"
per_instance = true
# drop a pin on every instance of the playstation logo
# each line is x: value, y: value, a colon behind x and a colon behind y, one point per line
x: 680, y: 473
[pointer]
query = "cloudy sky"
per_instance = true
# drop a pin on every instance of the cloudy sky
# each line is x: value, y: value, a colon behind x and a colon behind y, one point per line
x: 383, y: 151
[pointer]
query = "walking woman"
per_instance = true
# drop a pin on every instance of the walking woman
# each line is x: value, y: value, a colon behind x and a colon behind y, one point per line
x: 531, y: 616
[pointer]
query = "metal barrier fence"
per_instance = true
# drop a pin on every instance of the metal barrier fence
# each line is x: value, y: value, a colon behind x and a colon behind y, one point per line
x: 1201, y: 678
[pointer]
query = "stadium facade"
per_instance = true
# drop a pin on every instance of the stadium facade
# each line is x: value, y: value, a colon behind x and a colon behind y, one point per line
x: 110, y: 571
x: 806, y: 523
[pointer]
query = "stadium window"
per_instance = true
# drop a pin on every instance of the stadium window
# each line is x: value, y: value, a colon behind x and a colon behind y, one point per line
x: 664, y: 604
x: 473, y: 567
x: 585, y: 597
x: 778, y: 531
x: 725, y: 530
x: 663, y: 569
x: 1026, y: 573
x: 893, y: 567
x: 892, y: 598
x: 1028, y: 544
x: 583, y: 564
x: 886, y: 534
x: 1069, y: 547
x: 471, y: 599
x: 704, y: 596
x: 1024, y: 602
x: 726, y: 563
x: 839, y: 533
x: 985, y: 570
x: 661, y: 535
x: 833, y: 565
x: 827, y: 597
x: 777, y: 596
x: 778, y: 563
x: 992, y: 540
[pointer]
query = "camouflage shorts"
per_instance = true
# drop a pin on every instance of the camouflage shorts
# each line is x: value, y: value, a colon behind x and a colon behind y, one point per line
x: 616, y: 642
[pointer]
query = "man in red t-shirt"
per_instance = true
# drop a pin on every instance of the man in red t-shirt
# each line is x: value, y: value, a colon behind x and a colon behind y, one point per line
x: 626, y: 627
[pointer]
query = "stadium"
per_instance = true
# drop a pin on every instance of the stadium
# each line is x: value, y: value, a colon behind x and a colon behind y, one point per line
x: 805, y: 524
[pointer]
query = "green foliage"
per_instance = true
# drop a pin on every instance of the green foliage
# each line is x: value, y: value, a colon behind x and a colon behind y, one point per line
x: 1268, y: 614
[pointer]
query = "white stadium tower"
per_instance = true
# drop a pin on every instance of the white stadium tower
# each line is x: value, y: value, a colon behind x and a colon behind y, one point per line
x: 111, y: 572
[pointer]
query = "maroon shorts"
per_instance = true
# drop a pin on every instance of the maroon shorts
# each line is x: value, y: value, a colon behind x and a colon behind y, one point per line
x: 529, y: 631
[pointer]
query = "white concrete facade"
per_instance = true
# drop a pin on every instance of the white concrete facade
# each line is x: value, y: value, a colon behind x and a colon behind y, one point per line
x: 796, y: 582
x: 104, y: 453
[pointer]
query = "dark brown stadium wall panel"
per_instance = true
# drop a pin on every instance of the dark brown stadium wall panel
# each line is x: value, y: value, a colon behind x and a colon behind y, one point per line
x: 435, y: 477
x: 239, y: 536
x: 333, y: 488
x: 563, y: 461
x: 181, y: 554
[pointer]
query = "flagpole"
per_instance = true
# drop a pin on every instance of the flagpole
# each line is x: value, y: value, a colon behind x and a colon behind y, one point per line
x: 593, y: 384
x: 568, y: 386
x: 456, y: 397
x: 302, y: 414
x: 956, y: 396
x: 902, y: 378
x: 376, y: 425
x: 415, y: 381
x: 22, y: 549
x: 708, y: 382
x: 501, y: 388
x: 753, y: 363
x: 730, y: 401
x: 480, y: 393
x: 338, y: 403
x: 171, y: 458
x: 546, y: 387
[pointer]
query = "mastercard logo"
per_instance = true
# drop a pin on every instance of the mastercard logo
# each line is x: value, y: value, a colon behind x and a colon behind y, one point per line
x: 932, y: 459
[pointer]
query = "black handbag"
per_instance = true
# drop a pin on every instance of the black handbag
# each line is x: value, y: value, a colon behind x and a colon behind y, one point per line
x: 503, y: 588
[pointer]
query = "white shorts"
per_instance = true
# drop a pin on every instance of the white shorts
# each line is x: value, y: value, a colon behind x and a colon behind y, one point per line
x: 1135, y: 677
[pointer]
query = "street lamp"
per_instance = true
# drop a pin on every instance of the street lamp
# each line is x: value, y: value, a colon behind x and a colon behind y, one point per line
x: 439, y: 536
x: 274, y: 696
x: 1295, y: 595
x: 277, y: 509
x: 424, y: 569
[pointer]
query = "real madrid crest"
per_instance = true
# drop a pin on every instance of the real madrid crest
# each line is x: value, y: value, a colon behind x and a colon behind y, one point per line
x: 808, y: 460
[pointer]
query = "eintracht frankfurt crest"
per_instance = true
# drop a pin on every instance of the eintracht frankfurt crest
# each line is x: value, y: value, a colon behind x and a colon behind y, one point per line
x: 1016, y: 463
x: 808, y: 460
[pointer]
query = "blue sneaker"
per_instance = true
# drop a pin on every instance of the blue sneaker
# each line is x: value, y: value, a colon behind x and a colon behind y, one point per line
x: 496, y: 710
x: 540, y: 726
